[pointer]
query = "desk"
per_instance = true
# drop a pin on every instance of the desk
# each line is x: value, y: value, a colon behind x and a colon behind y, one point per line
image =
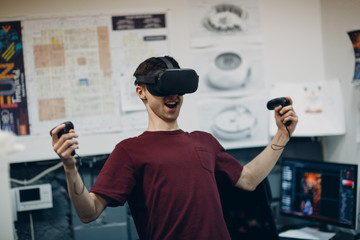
x: 308, y: 233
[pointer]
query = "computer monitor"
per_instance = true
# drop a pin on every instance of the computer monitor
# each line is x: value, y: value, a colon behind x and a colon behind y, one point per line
x: 321, y: 191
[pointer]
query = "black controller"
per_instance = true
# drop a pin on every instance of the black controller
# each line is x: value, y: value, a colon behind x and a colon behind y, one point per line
x: 273, y: 103
x: 68, y: 125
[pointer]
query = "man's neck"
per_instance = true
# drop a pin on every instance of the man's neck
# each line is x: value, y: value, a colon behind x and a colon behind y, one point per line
x: 163, y: 126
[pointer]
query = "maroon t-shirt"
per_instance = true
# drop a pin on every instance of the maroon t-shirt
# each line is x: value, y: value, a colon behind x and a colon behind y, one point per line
x: 168, y: 179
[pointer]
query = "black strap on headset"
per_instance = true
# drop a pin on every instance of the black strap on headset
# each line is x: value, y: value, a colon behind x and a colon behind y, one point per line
x: 167, y: 62
x: 151, y: 79
x: 146, y: 79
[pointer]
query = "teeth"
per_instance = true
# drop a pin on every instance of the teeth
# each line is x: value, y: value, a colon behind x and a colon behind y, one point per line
x: 171, y: 104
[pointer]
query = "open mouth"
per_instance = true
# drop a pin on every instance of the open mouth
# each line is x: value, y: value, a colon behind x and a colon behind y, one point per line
x: 171, y: 104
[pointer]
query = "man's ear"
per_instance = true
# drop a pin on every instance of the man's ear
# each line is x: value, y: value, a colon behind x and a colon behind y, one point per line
x: 140, y: 90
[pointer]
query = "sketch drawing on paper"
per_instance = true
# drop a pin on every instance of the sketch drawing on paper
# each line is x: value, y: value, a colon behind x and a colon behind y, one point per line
x: 224, y: 18
x: 228, y: 70
x: 234, y: 123
x: 313, y: 97
x: 215, y: 22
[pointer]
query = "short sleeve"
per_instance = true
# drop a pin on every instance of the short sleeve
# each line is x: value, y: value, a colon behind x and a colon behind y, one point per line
x: 228, y: 167
x: 117, y: 177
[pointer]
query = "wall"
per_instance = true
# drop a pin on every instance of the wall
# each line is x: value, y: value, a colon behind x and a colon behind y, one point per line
x: 292, y: 52
x: 50, y: 223
x: 339, y: 17
x: 61, y: 221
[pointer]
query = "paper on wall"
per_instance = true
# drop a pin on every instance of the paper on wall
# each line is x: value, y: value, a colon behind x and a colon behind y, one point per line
x: 319, y: 106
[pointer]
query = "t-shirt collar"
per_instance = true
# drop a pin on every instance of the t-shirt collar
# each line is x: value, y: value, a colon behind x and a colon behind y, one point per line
x: 173, y: 132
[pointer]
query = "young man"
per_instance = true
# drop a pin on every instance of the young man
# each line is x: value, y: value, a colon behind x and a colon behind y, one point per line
x: 169, y: 177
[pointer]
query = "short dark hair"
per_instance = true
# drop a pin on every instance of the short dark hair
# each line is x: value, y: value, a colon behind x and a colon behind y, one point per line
x: 152, y: 64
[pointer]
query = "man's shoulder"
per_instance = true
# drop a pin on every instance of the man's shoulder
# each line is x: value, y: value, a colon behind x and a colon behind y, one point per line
x: 200, y: 134
x: 130, y: 140
x: 204, y: 137
x: 127, y: 142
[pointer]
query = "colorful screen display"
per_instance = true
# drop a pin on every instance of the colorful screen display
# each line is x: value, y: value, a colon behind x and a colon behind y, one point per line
x: 319, y: 191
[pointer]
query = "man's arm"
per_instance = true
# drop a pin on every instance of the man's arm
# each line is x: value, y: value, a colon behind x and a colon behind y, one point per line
x: 257, y: 169
x: 88, y: 206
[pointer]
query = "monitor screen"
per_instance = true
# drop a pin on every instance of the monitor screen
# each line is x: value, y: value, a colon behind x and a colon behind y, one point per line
x: 320, y: 191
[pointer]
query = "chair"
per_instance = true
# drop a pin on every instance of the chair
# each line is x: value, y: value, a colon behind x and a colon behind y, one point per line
x: 248, y: 214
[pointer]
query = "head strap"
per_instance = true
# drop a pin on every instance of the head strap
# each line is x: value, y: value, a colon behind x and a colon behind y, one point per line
x: 167, y: 62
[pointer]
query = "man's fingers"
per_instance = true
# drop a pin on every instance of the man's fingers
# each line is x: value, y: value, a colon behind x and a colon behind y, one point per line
x: 67, y: 153
x: 55, y: 131
x: 67, y: 144
x: 290, y: 100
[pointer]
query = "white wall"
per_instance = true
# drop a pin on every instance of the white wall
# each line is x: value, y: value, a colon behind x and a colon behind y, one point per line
x: 339, y: 17
x: 293, y: 47
x: 292, y: 52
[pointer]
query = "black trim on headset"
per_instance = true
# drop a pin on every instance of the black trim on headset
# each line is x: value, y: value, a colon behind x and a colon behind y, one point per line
x: 170, y: 80
x: 146, y: 79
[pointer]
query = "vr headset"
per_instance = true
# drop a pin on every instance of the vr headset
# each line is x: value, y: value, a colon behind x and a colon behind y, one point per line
x: 170, y: 81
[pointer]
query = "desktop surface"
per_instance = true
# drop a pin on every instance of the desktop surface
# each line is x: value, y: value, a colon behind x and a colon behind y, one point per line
x: 308, y: 233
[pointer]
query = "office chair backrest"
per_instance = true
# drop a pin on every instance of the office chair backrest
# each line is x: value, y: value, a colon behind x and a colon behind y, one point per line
x: 247, y: 214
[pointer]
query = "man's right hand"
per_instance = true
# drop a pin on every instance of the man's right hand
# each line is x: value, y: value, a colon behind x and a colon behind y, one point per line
x: 65, y: 145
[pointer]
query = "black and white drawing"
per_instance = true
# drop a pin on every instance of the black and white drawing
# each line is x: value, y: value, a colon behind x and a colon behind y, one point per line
x: 238, y: 122
x: 225, y: 18
x: 217, y: 21
x: 229, y: 71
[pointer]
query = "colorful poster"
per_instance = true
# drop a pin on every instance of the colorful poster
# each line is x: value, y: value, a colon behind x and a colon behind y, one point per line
x: 355, y: 39
x: 13, y: 98
x: 358, y: 117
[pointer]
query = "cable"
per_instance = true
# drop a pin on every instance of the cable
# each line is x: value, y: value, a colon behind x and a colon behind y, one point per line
x: 53, y: 168
x: 287, y: 129
x: 31, y: 226
x: 34, y: 179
